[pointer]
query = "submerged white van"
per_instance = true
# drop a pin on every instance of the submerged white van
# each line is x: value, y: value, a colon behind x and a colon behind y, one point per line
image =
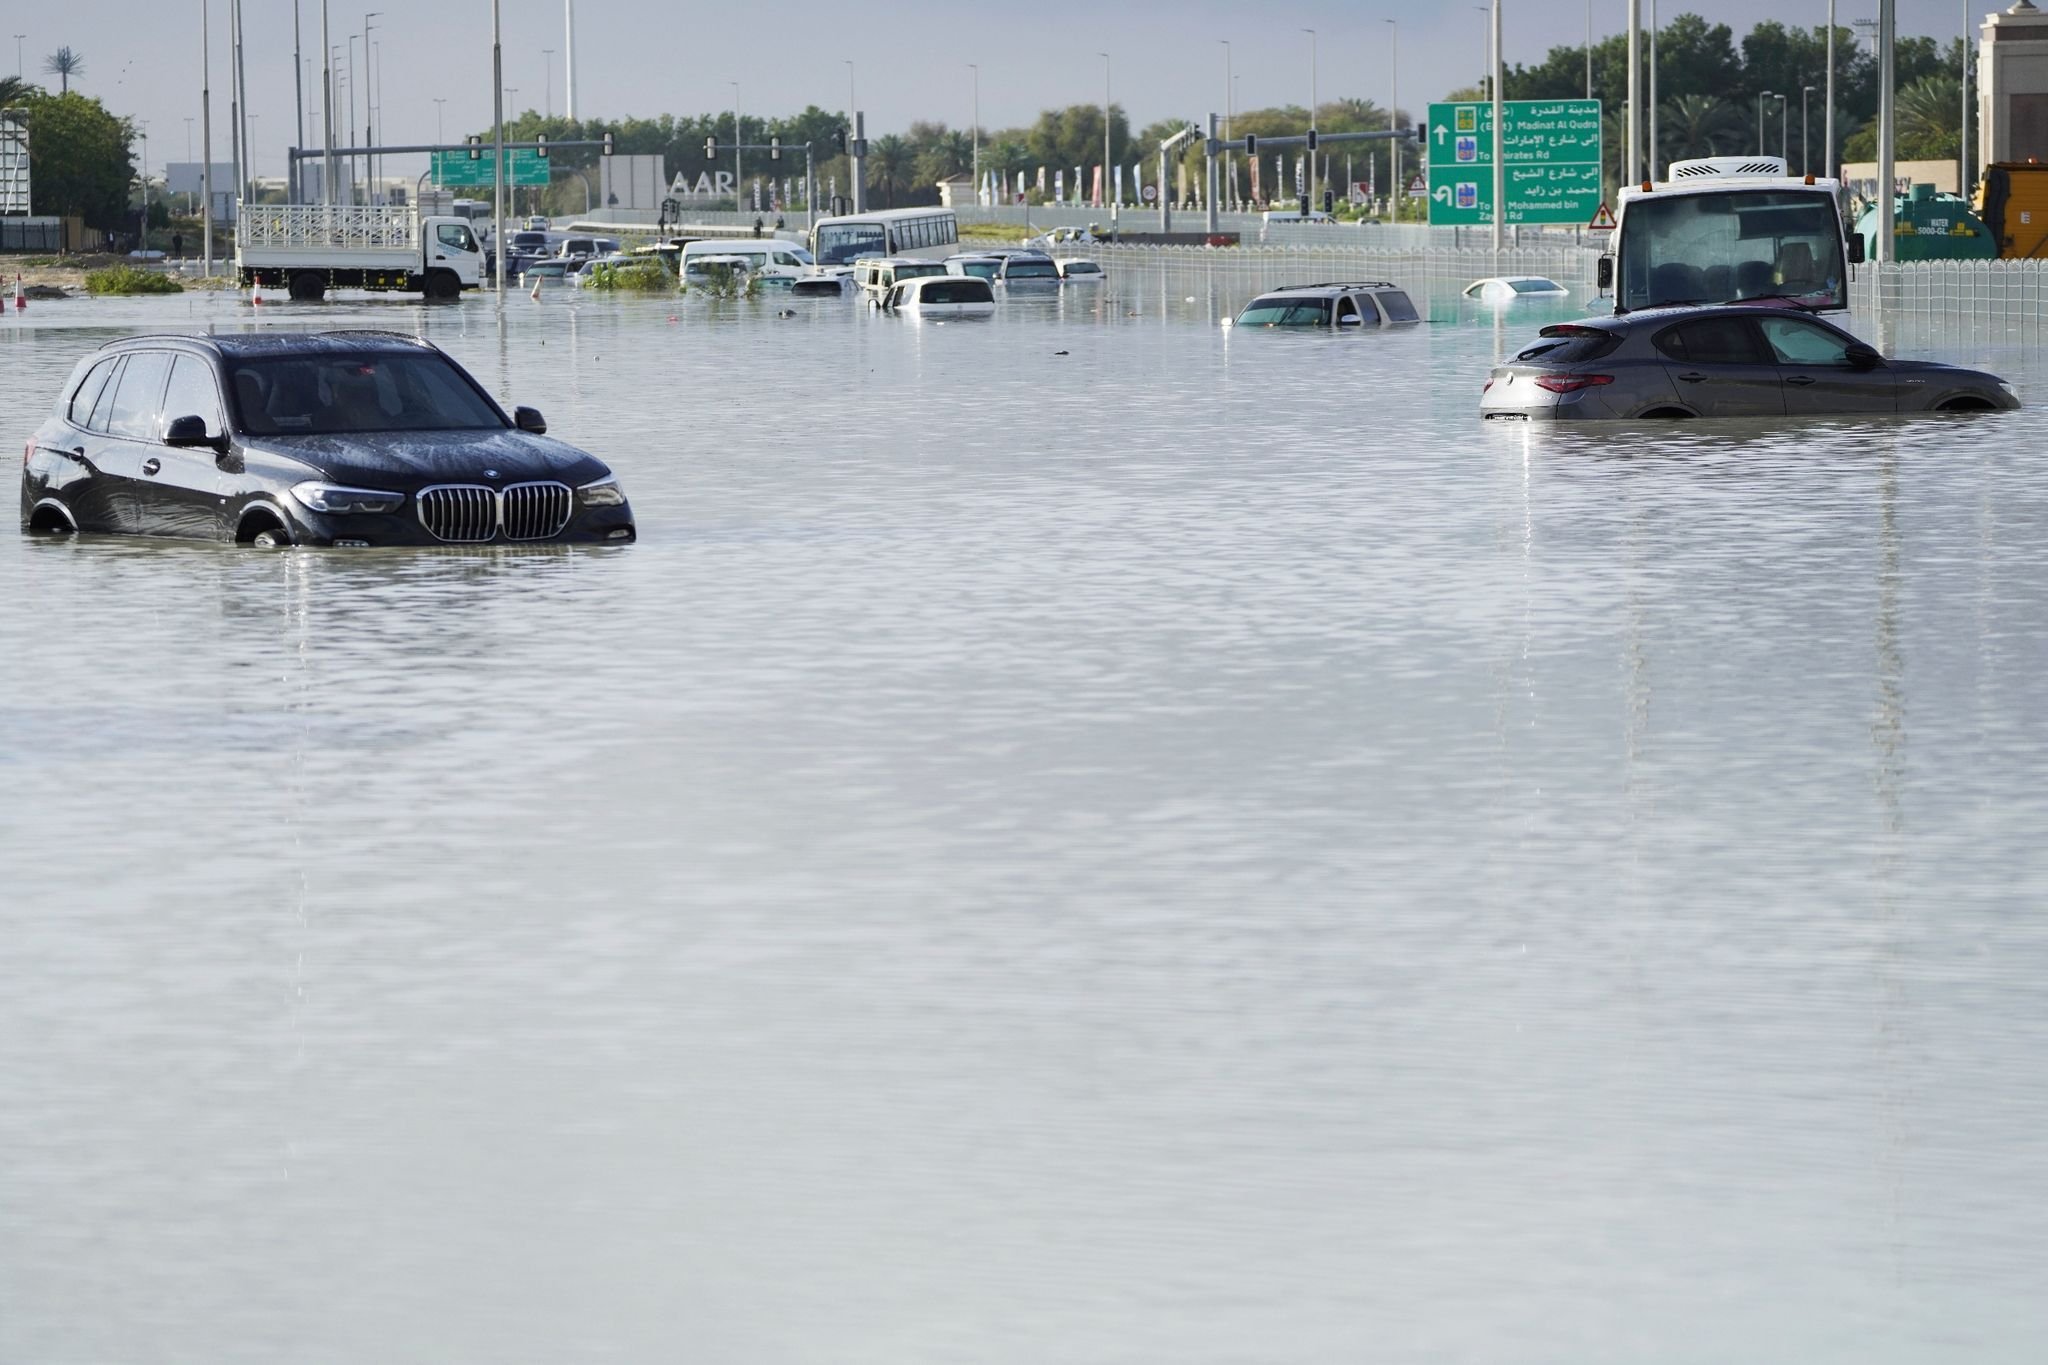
x: 762, y: 254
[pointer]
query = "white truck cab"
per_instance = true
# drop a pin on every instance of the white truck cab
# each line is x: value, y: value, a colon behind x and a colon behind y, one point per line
x: 1724, y: 229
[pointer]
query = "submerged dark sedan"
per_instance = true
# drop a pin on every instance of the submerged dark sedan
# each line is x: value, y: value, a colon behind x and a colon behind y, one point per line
x: 306, y: 438
x: 1739, y: 360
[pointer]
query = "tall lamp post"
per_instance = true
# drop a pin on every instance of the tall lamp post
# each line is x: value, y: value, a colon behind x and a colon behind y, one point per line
x: 975, y: 130
x: 547, y: 82
x: 369, y: 109
x: 1105, y: 138
x: 737, y: 176
x: 1311, y: 107
x: 1784, y: 127
x: 1229, y: 167
x: 1394, y: 120
x: 1761, y: 96
x: 1805, y: 161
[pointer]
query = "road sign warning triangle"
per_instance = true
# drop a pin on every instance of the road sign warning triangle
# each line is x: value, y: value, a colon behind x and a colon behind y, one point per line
x: 1603, y: 221
x: 1418, y: 186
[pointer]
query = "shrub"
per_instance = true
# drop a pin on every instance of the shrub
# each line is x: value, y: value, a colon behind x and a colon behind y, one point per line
x: 645, y: 277
x: 728, y: 282
x: 126, y: 279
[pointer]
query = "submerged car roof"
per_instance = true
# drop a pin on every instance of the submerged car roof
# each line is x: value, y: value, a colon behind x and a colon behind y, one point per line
x: 230, y: 344
x: 1338, y: 287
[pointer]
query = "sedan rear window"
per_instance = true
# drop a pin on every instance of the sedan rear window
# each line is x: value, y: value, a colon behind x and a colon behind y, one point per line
x: 1564, y: 345
x: 327, y: 395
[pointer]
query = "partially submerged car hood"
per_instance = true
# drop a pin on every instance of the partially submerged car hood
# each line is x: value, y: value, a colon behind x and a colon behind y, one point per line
x: 403, y: 461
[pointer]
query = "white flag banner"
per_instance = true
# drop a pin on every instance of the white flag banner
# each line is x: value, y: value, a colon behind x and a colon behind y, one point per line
x: 1059, y: 187
x: 1119, y: 184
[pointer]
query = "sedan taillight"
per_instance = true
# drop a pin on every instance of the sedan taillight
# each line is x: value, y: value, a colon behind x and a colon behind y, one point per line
x: 1571, y: 383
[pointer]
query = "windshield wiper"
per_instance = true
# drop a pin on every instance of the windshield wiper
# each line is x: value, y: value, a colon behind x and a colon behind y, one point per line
x: 1775, y: 294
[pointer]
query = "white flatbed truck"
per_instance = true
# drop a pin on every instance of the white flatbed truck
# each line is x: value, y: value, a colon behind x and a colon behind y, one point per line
x: 309, y: 249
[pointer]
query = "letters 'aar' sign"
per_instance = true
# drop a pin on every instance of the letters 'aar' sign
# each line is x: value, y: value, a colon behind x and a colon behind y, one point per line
x: 1553, y: 162
x: 455, y: 170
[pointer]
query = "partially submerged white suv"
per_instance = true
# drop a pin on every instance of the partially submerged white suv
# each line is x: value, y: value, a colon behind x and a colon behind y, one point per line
x: 1367, y: 303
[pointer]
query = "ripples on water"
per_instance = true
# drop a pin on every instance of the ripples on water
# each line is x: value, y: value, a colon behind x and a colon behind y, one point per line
x: 1190, y: 849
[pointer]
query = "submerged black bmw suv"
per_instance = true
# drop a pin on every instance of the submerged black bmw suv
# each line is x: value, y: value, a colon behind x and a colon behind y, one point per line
x: 298, y: 438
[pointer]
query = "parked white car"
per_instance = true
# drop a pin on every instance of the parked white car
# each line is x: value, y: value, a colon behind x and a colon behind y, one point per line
x: 1508, y: 288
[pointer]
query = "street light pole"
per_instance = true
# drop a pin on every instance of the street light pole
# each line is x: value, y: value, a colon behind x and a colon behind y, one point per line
x: 1805, y: 161
x: 1651, y: 103
x: 1228, y: 79
x: 369, y: 116
x: 1311, y: 106
x: 326, y: 109
x: 1963, y: 138
x: 738, y: 176
x: 206, y: 132
x: 1500, y: 174
x: 1105, y: 138
x: 1827, y: 151
x: 1784, y: 127
x: 498, y: 147
x: 1394, y: 121
x: 547, y: 83
x: 1761, y: 96
x: 975, y: 131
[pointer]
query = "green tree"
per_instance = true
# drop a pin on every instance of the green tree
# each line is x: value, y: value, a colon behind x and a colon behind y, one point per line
x: 1698, y: 125
x: 890, y: 166
x: 78, y: 159
x: 14, y: 91
x: 1929, y: 117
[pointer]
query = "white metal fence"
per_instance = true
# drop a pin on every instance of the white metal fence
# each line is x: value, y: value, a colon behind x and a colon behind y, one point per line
x: 1984, y: 303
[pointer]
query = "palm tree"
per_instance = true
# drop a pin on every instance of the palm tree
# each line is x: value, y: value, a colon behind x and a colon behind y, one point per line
x: 1699, y: 125
x: 1929, y: 113
x: 13, y: 90
x: 891, y: 164
x: 64, y: 64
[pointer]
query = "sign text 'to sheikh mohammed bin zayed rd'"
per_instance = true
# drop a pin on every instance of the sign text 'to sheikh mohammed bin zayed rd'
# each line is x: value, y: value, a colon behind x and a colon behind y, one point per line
x: 1553, y: 162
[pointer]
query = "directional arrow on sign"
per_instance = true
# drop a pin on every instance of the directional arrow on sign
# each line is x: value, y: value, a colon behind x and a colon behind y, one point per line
x: 1442, y: 194
x: 1441, y: 133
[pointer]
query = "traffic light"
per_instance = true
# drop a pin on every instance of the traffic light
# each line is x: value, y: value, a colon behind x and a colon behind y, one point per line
x: 839, y: 140
x: 541, y: 146
x: 775, y: 149
x: 476, y: 147
x: 711, y: 149
x: 1311, y: 139
x: 1422, y: 133
x: 607, y: 144
x: 1251, y: 144
x: 1329, y: 201
x: 1304, y: 206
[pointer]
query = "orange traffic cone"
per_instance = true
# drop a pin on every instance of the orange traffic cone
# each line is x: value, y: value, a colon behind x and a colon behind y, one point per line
x: 20, y: 296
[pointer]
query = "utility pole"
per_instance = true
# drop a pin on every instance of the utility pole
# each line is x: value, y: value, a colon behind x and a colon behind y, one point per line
x: 1651, y: 103
x: 569, y: 58
x: 1500, y: 174
x: 737, y: 178
x: 1784, y: 128
x: 298, y: 108
x: 1228, y: 80
x: 206, y: 131
x: 1805, y: 160
x: 1827, y: 151
x: 498, y: 147
x: 1634, y: 140
x: 326, y: 109
x: 369, y: 107
x: 1887, y: 142
x: 1394, y: 121
x: 1311, y: 182
x: 1105, y: 138
x: 234, y: 95
x: 975, y: 131
x: 1963, y: 138
x: 1761, y: 96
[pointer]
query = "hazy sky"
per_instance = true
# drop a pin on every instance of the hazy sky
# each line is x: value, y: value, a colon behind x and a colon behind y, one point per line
x: 644, y: 57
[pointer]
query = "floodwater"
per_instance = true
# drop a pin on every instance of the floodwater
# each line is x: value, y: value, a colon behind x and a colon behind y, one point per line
x: 1082, y: 837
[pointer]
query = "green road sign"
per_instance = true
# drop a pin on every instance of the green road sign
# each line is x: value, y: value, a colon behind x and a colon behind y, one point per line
x: 456, y: 171
x: 1553, y: 162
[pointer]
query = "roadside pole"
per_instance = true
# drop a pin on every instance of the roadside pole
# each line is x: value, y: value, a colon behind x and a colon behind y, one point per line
x: 1500, y: 126
x: 206, y: 131
x: 498, y: 152
x: 1211, y: 150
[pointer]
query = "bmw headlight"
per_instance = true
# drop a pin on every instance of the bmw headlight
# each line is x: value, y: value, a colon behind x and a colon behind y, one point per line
x: 604, y: 493
x: 335, y: 499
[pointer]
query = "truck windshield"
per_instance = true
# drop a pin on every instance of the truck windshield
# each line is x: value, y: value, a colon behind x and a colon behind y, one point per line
x: 324, y: 395
x: 1722, y: 246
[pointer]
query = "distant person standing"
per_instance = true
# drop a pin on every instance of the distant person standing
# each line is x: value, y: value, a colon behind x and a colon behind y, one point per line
x: 178, y: 244
x: 757, y: 225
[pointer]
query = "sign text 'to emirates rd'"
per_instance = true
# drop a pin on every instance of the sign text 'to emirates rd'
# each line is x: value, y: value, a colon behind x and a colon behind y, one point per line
x: 1553, y: 162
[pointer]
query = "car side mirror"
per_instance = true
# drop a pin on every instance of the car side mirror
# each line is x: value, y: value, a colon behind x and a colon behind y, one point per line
x: 1863, y: 357
x: 190, y: 431
x: 530, y: 420
x: 1855, y: 248
x: 1604, y: 273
